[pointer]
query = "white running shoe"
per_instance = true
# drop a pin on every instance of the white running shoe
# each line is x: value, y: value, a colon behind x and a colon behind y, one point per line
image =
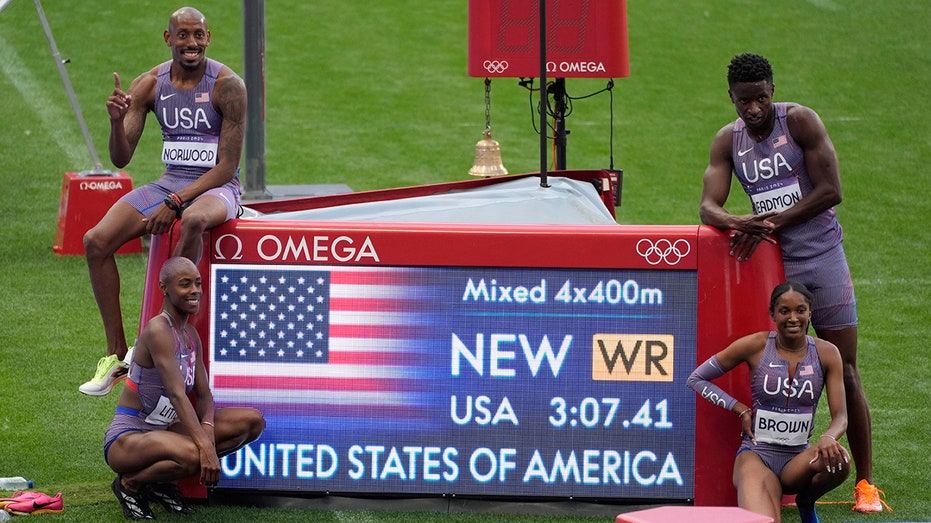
x: 110, y: 371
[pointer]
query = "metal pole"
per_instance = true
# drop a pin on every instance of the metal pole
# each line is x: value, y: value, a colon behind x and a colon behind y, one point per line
x: 98, y: 167
x: 559, y: 105
x: 543, y: 95
x: 253, y: 15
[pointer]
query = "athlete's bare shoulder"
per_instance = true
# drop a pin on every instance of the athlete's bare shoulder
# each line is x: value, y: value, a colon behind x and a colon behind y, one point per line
x: 229, y: 95
x: 797, y: 113
x: 228, y: 81
x: 143, y: 87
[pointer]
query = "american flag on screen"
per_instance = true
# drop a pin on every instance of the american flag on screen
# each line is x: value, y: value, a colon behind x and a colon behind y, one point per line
x: 321, y: 341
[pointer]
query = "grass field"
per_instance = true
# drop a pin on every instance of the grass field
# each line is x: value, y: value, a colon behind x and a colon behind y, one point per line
x: 376, y: 95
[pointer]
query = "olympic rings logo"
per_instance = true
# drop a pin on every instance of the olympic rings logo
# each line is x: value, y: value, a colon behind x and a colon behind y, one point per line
x: 494, y: 66
x: 663, y: 250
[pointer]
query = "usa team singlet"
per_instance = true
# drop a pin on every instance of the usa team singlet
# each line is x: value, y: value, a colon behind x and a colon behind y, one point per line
x: 783, y: 409
x: 773, y: 174
x: 190, y: 141
x: 190, y: 124
x: 157, y: 412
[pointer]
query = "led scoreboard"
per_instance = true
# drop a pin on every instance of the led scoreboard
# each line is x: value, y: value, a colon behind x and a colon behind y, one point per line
x: 468, y: 380
x: 470, y: 359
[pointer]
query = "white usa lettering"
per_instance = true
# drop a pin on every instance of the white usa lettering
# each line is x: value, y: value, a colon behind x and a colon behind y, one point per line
x: 765, y: 168
x: 185, y: 118
x: 774, y: 386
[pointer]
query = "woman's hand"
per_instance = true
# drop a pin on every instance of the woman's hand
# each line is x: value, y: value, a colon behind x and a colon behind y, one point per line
x: 833, y: 455
x: 746, y: 423
x: 209, y: 467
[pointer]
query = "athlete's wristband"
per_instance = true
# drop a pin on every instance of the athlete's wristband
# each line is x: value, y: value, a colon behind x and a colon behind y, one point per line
x: 173, y: 201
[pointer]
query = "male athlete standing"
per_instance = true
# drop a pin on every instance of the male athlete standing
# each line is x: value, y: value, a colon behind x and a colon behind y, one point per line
x: 782, y: 156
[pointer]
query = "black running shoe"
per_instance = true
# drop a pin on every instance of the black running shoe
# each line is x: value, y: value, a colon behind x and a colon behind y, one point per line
x: 170, y: 497
x: 135, y: 506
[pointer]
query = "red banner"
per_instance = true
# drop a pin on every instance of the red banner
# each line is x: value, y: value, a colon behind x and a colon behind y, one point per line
x: 585, y: 38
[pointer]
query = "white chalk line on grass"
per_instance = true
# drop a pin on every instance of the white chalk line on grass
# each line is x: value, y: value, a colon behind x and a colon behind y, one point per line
x: 910, y: 282
x: 353, y: 517
x: 45, y: 105
x: 826, y: 4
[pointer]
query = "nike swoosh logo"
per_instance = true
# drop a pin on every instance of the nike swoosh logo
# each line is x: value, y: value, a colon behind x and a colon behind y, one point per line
x: 774, y: 366
x: 167, y: 96
x: 739, y: 153
x: 36, y: 504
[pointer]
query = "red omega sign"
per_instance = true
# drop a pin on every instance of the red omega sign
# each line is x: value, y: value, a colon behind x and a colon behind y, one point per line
x: 585, y: 38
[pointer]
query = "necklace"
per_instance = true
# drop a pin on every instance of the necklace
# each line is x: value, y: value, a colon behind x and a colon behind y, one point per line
x: 171, y: 318
x: 783, y: 347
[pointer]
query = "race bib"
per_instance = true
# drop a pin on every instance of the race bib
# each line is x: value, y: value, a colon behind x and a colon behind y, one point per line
x: 777, y: 199
x: 782, y: 428
x: 191, y: 154
x: 163, y: 414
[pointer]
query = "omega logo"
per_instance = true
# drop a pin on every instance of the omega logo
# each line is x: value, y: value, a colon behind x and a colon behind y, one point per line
x: 575, y: 67
x: 320, y: 249
x: 101, y: 186
x: 298, y: 248
x: 237, y: 255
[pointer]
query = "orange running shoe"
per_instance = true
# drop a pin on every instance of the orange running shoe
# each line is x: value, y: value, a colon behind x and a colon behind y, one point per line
x: 866, y: 498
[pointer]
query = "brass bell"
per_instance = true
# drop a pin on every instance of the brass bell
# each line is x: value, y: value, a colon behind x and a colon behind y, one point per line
x: 487, y: 157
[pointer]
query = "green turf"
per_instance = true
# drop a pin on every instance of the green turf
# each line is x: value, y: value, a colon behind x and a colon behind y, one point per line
x: 376, y: 95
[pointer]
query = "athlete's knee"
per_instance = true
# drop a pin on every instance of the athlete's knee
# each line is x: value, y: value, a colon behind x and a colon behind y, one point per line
x: 851, y: 375
x: 249, y: 424
x: 256, y: 424
x: 91, y: 244
x: 96, y: 245
x: 193, y: 223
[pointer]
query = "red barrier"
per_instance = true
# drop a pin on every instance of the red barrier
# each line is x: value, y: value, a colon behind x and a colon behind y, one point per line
x: 84, y: 201
x: 585, y: 39
x: 731, y: 298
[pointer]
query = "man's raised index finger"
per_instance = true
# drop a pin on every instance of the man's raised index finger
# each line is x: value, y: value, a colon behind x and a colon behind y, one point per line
x: 116, y: 79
